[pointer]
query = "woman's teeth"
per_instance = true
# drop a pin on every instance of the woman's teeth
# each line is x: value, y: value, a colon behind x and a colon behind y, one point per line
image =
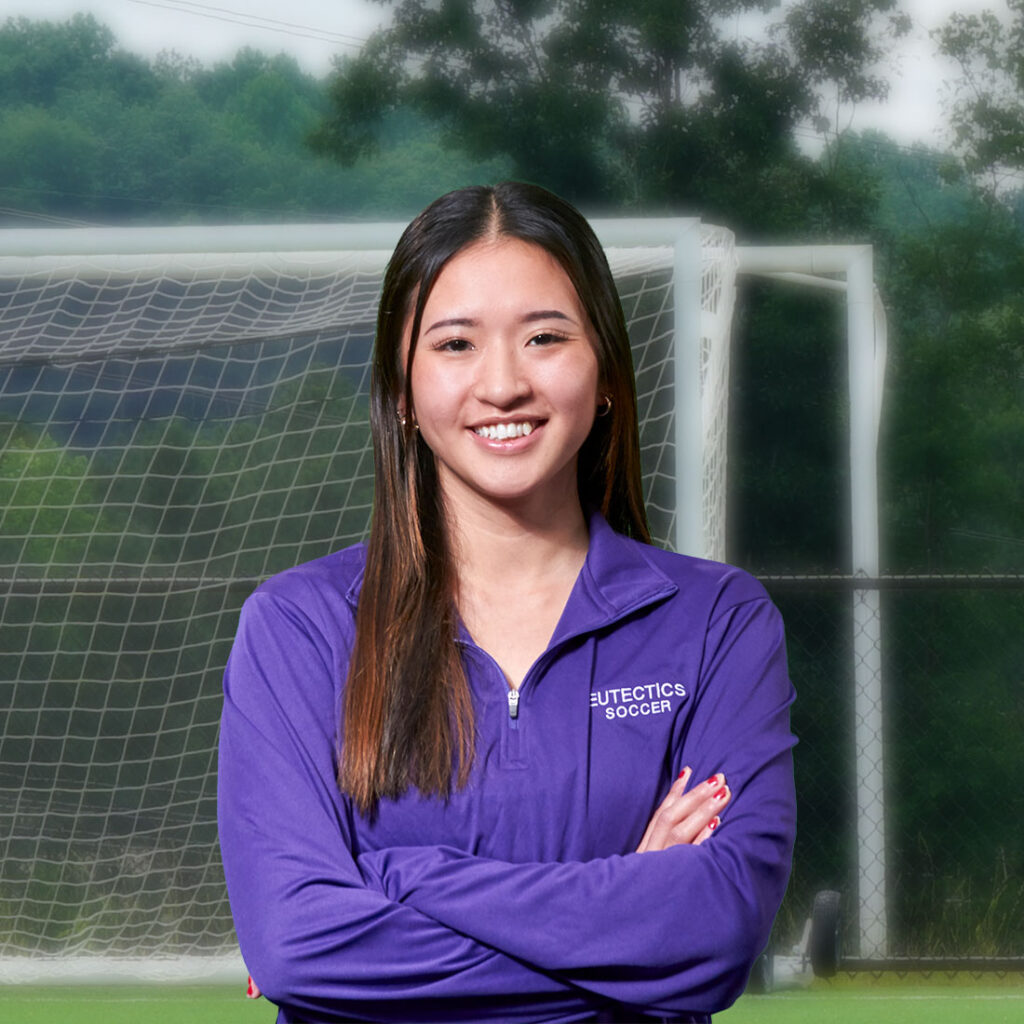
x: 503, y: 431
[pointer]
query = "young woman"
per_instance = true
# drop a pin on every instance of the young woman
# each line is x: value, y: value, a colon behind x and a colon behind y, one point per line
x: 506, y: 761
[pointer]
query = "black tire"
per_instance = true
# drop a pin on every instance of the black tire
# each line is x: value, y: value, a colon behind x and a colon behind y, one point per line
x: 762, y: 975
x: 824, y: 944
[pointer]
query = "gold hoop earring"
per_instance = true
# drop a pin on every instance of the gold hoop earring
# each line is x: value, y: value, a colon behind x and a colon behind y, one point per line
x: 604, y: 410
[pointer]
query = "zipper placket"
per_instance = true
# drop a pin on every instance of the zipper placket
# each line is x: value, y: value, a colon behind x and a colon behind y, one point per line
x: 512, y: 744
x: 515, y: 695
x: 513, y: 707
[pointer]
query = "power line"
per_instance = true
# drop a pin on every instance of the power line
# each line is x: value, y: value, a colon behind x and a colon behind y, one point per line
x: 254, y: 21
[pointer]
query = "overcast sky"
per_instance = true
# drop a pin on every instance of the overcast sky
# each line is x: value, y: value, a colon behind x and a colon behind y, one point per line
x: 314, y: 30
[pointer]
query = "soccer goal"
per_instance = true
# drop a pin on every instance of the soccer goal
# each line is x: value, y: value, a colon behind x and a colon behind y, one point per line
x: 183, y: 412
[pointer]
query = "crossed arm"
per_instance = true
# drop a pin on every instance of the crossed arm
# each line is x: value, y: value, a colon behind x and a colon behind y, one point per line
x: 435, y: 933
x: 685, y: 816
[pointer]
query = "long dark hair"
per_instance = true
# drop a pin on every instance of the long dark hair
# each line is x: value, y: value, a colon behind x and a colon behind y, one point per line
x: 407, y: 717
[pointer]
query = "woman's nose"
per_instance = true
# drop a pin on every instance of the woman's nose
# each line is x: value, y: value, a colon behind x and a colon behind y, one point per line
x: 502, y: 378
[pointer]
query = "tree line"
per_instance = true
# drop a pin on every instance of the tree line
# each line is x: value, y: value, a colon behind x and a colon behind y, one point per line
x: 90, y: 133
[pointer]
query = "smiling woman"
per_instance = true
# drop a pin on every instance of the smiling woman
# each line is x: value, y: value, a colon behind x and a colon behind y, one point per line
x: 505, y: 383
x: 427, y: 811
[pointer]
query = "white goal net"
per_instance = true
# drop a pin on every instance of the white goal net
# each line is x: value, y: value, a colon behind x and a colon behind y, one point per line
x: 174, y: 428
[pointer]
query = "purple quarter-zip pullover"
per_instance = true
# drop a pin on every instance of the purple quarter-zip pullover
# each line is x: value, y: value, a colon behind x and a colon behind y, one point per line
x: 519, y: 898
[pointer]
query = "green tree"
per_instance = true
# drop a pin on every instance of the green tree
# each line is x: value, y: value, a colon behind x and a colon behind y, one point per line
x: 54, y: 160
x: 987, y: 115
x: 951, y: 260
x: 243, y: 496
x: 51, y: 516
x: 41, y: 60
x: 272, y: 101
x: 652, y: 103
x: 89, y: 132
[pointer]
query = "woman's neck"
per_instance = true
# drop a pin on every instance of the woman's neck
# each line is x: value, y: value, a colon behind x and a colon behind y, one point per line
x: 501, y: 547
x: 515, y: 574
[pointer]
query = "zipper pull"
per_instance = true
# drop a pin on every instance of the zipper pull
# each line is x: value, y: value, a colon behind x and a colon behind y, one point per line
x: 513, y: 703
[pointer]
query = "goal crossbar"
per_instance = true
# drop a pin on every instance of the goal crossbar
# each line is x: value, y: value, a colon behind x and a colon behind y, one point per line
x: 683, y: 247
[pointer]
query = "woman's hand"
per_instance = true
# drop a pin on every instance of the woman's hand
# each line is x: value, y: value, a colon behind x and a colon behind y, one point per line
x: 686, y: 817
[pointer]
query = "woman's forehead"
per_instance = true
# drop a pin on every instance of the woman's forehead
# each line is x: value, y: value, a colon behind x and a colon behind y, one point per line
x: 495, y: 272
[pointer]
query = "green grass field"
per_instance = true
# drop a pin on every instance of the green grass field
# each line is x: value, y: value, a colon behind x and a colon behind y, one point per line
x: 976, y: 1004
x: 845, y: 1002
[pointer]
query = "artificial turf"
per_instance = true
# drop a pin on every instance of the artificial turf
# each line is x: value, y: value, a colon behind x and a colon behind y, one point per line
x: 847, y: 1001
x: 131, y: 1004
x: 975, y: 1004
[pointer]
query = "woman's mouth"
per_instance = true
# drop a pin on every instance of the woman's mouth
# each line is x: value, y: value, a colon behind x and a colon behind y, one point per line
x: 504, y: 431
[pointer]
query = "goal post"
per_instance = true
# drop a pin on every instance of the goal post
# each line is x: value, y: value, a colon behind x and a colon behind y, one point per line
x: 183, y: 412
x: 849, y: 269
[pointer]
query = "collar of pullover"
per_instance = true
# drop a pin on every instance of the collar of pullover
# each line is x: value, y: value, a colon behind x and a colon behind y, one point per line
x: 617, y: 578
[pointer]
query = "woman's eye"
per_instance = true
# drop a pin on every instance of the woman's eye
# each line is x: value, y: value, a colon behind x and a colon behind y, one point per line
x: 453, y: 345
x: 546, y: 338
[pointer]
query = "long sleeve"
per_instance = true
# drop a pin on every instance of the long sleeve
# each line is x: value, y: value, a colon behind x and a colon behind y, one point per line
x: 320, y: 942
x: 675, y: 930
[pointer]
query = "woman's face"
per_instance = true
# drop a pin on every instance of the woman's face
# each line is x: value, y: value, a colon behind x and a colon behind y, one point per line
x: 504, y: 378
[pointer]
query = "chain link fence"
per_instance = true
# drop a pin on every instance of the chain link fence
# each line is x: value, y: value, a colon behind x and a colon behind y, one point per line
x: 952, y: 777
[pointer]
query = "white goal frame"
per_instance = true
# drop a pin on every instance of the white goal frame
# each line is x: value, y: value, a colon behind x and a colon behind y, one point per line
x: 845, y: 268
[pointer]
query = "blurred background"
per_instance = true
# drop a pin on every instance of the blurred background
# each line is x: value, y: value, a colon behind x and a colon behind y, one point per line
x: 144, y: 491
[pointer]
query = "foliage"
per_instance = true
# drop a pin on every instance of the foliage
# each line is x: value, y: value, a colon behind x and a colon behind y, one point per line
x: 90, y: 133
x: 248, y: 495
x: 653, y: 104
x: 954, y: 443
x: 987, y: 115
x: 41, y: 62
x: 49, y: 513
x: 948, y: 699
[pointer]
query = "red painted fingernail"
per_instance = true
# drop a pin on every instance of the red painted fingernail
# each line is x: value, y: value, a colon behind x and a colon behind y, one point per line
x: 720, y: 795
x: 683, y: 772
x: 249, y: 991
x: 711, y: 781
x: 713, y: 824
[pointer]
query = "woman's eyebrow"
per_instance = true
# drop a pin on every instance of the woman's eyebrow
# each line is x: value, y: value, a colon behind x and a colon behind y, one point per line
x: 454, y: 321
x: 527, y: 318
x: 546, y: 314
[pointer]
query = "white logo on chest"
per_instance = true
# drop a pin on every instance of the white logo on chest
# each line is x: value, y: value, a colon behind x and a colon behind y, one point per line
x: 640, y: 700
